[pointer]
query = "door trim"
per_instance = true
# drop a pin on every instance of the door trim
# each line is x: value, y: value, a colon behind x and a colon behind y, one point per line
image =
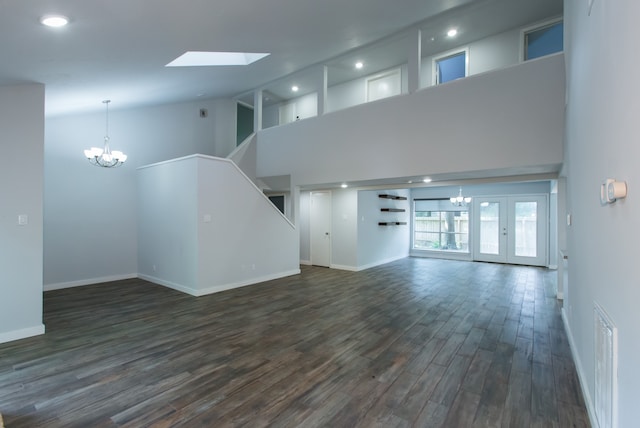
x: 506, y: 229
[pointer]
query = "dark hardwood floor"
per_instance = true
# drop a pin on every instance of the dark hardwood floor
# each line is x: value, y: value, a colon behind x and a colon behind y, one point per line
x: 418, y: 342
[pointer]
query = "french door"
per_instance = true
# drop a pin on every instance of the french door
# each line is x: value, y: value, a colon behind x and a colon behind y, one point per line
x: 511, y: 229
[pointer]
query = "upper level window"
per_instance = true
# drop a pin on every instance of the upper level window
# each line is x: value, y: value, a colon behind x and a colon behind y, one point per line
x: 544, y: 40
x: 450, y: 66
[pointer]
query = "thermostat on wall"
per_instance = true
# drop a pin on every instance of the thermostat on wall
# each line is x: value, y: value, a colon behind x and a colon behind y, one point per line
x: 611, y: 190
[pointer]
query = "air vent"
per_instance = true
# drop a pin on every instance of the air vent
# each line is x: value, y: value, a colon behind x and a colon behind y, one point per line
x: 606, y: 368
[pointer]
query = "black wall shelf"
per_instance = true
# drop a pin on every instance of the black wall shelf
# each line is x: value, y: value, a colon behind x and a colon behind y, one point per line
x: 394, y: 197
x: 392, y: 210
x: 392, y: 223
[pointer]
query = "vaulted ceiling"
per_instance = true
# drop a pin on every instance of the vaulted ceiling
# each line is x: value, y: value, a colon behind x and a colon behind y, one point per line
x: 118, y: 49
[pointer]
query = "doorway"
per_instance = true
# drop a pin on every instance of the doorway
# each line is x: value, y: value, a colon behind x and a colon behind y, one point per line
x: 320, y: 228
x: 511, y: 229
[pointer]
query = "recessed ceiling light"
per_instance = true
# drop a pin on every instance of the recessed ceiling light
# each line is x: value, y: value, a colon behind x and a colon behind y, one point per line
x: 452, y: 32
x: 344, y: 185
x: 54, y: 20
x: 427, y: 180
x: 359, y: 65
x: 203, y: 59
x: 294, y: 88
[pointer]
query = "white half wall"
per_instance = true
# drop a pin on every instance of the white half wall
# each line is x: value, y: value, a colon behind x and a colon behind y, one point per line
x: 21, y: 210
x: 508, y: 119
x: 205, y: 227
x: 168, y: 223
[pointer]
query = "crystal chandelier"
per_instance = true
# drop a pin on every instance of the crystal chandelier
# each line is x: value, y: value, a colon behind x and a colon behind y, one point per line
x: 104, y: 157
x: 460, y: 201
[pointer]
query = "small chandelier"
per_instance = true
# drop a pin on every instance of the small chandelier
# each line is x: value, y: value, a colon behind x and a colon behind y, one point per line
x: 104, y: 157
x: 460, y: 201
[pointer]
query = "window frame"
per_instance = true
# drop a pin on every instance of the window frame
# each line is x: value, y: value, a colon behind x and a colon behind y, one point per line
x: 445, y: 55
x: 532, y: 28
x: 455, y: 253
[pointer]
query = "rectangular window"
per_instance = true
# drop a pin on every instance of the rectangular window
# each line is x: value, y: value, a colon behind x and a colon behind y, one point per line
x: 545, y: 40
x: 450, y: 66
x: 440, y: 226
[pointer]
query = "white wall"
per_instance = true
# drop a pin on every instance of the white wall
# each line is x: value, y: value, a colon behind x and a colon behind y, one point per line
x: 602, y: 129
x: 354, y: 92
x: 382, y: 244
x: 90, y: 221
x: 205, y: 227
x: 21, y: 188
x: 167, y: 218
x: 511, y: 118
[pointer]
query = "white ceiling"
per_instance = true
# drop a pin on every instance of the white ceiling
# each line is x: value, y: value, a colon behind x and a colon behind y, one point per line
x: 117, y: 49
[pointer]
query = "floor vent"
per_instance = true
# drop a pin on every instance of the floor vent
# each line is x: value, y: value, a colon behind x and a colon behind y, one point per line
x: 606, y: 368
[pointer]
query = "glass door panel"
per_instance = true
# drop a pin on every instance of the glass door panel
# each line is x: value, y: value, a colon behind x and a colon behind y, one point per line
x: 526, y: 229
x: 490, y: 223
x: 490, y: 227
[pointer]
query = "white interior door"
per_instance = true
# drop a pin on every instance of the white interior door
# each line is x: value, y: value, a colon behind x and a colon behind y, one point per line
x: 511, y: 229
x: 320, y: 228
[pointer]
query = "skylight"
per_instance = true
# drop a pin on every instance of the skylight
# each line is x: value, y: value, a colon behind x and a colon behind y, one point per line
x: 200, y: 59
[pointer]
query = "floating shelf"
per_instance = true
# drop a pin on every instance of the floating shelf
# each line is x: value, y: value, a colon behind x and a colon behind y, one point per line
x: 392, y: 210
x: 394, y: 197
x: 392, y: 223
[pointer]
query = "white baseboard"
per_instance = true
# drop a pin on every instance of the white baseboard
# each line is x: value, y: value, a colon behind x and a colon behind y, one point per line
x: 581, y: 376
x: 344, y: 267
x: 217, y: 288
x: 230, y: 286
x: 83, y: 282
x: 23, y: 333
x: 382, y: 262
x: 173, y: 285
x: 305, y: 262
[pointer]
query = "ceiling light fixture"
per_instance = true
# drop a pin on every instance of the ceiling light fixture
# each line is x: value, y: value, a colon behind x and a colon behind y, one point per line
x: 452, y: 32
x: 460, y: 201
x: 427, y: 180
x: 294, y: 88
x: 105, y: 157
x: 359, y: 65
x: 54, y: 21
x: 344, y: 185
